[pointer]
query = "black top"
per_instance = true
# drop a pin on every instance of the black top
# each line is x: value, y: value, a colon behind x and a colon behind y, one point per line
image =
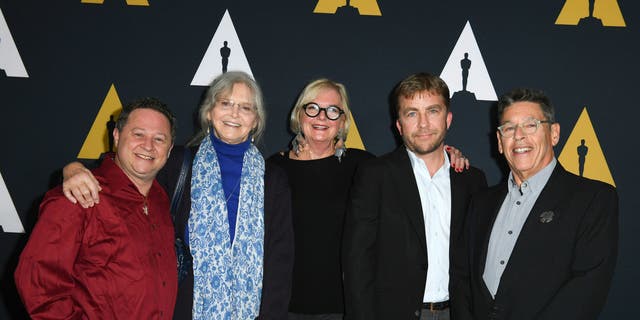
x: 319, y: 191
x: 278, y: 242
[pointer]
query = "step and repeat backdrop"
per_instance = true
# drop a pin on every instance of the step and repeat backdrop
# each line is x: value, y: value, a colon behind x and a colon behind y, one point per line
x: 67, y: 67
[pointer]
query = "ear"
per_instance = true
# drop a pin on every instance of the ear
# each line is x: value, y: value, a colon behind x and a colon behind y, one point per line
x: 169, y: 151
x: 555, y: 133
x: 499, y: 142
x: 398, y: 126
x: 449, y: 118
x: 116, y: 138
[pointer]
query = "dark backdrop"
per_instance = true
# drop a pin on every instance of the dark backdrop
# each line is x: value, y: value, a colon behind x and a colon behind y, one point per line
x: 74, y: 52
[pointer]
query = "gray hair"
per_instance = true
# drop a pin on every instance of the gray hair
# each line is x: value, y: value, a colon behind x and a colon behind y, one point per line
x: 223, y: 84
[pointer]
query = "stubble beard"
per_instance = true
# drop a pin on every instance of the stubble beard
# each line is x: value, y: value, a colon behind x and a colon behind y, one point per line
x: 430, y: 148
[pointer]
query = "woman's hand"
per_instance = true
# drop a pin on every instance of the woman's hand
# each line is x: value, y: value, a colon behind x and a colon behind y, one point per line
x: 458, y: 161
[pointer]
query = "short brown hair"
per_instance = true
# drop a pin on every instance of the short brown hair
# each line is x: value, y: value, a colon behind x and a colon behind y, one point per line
x: 420, y: 82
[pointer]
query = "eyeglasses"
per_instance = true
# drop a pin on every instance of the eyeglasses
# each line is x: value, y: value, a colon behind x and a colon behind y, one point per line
x: 529, y: 126
x: 312, y: 110
x: 244, y: 108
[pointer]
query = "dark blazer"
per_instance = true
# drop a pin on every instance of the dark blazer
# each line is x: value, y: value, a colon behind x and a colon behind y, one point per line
x: 385, y: 252
x: 278, y: 242
x: 559, y: 269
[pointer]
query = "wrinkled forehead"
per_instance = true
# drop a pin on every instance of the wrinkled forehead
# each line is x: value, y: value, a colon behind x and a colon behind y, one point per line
x: 522, y: 110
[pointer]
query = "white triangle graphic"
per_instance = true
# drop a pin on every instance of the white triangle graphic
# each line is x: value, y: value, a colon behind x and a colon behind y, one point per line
x: 211, y: 64
x: 9, y: 218
x: 10, y: 60
x: 478, y: 80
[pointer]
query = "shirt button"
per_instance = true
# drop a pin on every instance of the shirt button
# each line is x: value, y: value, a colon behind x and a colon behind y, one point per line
x: 164, y: 283
x: 501, y: 261
x: 510, y: 232
x: 518, y: 202
x: 159, y: 254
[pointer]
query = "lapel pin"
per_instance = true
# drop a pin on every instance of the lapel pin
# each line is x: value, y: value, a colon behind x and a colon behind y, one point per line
x: 546, y: 216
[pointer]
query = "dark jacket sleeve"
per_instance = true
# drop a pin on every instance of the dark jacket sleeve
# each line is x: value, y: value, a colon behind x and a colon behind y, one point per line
x: 278, y: 245
x: 584, y: 294
x: 359, y: 252
x: 460, y: 285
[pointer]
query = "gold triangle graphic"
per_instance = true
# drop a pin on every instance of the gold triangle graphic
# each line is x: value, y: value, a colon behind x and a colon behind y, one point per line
x: 365, y: 7
x: 353, y: 137
x: 608, y: 11
x: 97, y: 141
x: 129, y: 2
x: 582, y: 152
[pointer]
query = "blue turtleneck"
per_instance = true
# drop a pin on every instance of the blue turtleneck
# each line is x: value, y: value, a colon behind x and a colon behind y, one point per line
x: 230, y: 157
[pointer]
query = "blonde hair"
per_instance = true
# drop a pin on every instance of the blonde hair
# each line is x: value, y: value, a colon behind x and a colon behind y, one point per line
x: 309, y: 93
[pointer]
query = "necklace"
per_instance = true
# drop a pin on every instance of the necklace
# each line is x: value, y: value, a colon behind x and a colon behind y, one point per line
x: 145, y: 207
x: 232, y: 191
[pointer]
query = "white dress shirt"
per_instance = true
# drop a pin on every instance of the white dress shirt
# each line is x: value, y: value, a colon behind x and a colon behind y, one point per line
x: 435, y: 196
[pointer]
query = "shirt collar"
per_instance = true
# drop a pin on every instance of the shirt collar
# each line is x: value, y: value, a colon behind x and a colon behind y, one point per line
x: 416, y: 161
x: 110, y: 175
x: 536, y: 182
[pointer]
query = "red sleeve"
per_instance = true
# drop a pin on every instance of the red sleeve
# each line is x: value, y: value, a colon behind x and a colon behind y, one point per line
x: 44, y: 276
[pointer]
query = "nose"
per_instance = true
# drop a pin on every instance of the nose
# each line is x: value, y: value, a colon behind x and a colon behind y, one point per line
x: 422, y: 120
x: 235, y: 110
x: 148, y: 143
x: 322, y: 114
x: 519, y: 134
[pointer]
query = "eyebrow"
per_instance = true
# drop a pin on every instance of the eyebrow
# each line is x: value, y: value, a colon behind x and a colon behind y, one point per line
x: 437, y: 105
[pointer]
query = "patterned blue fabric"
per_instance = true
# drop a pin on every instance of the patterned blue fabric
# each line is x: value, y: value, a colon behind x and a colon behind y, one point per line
x: 227, y: 277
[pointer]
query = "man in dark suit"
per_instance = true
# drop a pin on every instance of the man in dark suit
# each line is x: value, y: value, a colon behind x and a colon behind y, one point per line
x: 405, y: 214
x: 543, y: 244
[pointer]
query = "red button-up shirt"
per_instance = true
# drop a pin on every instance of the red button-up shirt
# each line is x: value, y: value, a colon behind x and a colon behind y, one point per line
x: 111, y: 261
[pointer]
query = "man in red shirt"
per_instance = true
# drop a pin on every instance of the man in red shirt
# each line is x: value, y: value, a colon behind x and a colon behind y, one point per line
x: 115, y: 260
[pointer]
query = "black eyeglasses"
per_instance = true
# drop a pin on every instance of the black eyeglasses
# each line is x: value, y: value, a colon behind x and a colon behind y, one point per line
x: 312, y: 110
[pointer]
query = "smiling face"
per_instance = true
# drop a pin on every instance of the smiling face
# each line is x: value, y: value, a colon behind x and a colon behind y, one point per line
x: 527, y: 154
x: 423, y: 121
x: 143, y: 145
x: 233, y: 124
x: 320, y: 129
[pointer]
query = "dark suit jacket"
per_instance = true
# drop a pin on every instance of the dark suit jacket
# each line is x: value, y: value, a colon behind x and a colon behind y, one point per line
x: 385, y: 252
x: 560, y: 269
